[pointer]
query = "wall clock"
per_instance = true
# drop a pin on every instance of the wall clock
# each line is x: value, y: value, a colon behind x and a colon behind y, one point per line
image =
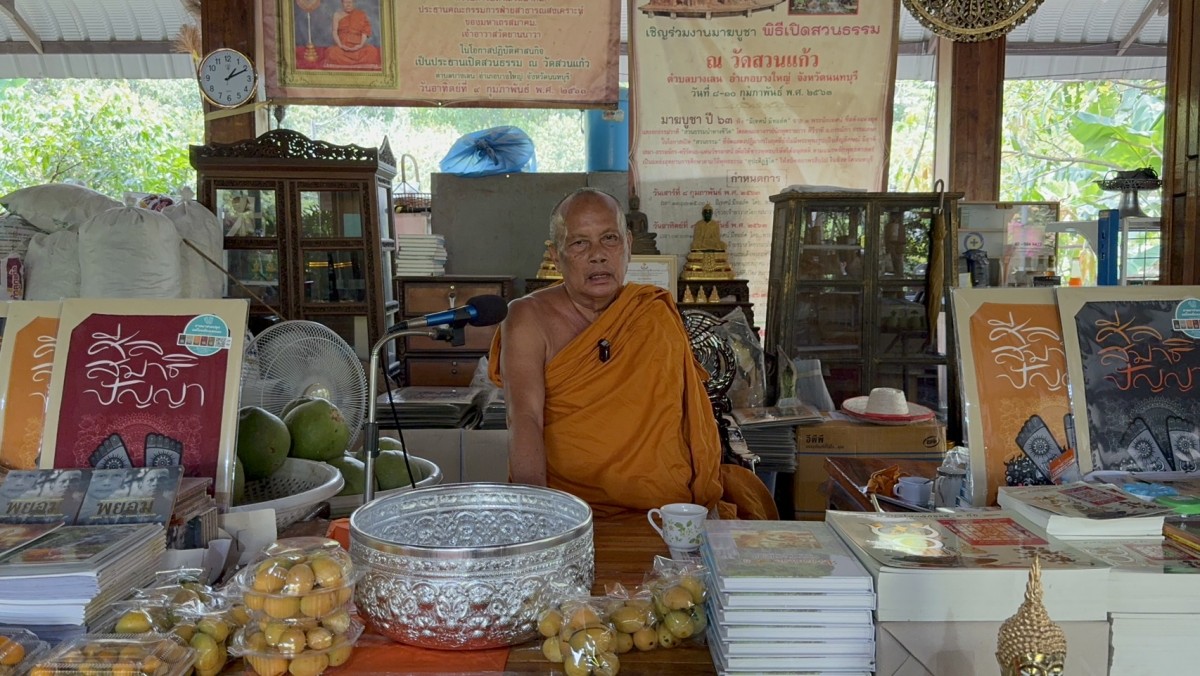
x: 227, y: 78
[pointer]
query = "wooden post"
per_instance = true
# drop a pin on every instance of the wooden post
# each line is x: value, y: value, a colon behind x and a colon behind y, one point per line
x: 229, y: 23
x: 1181, y: 148
x: 970, y: 113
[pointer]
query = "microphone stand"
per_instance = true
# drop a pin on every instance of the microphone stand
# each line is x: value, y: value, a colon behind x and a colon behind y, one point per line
x: 454, y: 333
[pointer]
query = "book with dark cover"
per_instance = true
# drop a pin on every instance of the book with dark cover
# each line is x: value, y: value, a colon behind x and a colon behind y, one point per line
x: 42, y: 496
x: 133, y: 495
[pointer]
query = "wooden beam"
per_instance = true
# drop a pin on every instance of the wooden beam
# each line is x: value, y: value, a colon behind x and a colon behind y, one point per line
x: 9, y: 8
x: 1153, y: 7
x: 1180, y: 262
x: 229, y: 23
x: 975, y: 110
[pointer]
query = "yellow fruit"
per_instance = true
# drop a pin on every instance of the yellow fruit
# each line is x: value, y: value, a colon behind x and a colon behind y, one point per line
x: 665, y: 638
x: 344, y: 594
x: 152, y: 664
x: 134, y: 622
x: 338, y: 623
x: 340, y: 652
x: 215, y: 628
x: 699, y: 619
x: 310, y: 664
x: 552, y: 649
x: 677, y: 598
x: 645, y: 639
x: 550, y: 623
x: 300, y: 580
x: 239, y: 615
x: 606, y: 664
x: 11, y: 652
x: 695, y: 586
x: 622, y: 643
x: 272, y: 632
x: 202, y: 672
x: 208, y: 654
x: 644, y: 605
x: 592, y: 639
x: 123, y: 669
x: 185, y: 597
x: 270, y: 578
x: 291, y: 642
x: 319, y: 638
x: 256, y: 642
x: 679, y: 623
x: 282, y: 607
x: 328, y: 572
x: 268, y: 666
x: 318, y: 604
x: 184, y: 631
x: 582, y: 616
x: 628, y: 619
x: 254, y: 601
x: 170, y: 650
x: 576, y: 664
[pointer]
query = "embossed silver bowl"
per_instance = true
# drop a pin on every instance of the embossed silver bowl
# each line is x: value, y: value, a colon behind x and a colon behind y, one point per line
x: 468, y: 566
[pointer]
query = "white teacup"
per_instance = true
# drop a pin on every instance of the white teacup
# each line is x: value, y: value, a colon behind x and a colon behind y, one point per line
x: 682, y: 525
x: 915, y: 489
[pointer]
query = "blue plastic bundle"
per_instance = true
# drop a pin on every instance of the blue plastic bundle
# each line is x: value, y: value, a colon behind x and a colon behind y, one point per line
x: 499, y: 150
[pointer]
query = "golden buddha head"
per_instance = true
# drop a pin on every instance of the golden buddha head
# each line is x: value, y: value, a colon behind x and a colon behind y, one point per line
x: 1030, y: 643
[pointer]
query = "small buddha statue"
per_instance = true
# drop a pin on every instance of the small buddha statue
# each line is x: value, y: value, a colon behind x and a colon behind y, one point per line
x: 548, y: 270
x: 643, y: 241
x: 1030, y: 643
x: 707, y: 258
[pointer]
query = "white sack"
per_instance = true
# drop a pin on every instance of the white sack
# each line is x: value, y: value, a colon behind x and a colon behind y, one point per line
x: 195, y: 223
x: 52, y: 266
x: 56, y: 206
x: 129, y: 253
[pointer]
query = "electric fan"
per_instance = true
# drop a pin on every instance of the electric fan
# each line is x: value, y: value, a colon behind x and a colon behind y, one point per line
x: 299, y: 358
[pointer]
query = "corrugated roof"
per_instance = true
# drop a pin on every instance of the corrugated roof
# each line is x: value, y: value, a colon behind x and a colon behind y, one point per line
x: 131, y: 39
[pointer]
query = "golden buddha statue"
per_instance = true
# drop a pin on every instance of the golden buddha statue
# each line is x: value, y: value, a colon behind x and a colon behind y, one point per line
x: 548, y: 270
x: 707, y: 258
x: 1030, y: 643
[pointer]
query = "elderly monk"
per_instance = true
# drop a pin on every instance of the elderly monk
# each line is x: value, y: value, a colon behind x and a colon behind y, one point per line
x: 605, y: 399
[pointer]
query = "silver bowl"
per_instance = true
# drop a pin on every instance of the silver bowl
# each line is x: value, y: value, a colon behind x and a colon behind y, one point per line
x: 468, y: 566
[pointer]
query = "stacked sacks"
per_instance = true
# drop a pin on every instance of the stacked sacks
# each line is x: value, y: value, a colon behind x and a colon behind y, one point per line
x: 128, y: 252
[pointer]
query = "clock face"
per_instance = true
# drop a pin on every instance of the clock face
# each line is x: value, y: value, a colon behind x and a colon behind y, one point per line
x: 226, y: 78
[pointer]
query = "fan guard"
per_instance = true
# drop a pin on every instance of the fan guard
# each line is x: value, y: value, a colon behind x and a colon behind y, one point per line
x: 302, y: 358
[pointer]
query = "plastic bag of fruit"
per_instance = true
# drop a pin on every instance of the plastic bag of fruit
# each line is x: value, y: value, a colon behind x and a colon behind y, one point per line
x: 678, y: 590
x: 579, y: 635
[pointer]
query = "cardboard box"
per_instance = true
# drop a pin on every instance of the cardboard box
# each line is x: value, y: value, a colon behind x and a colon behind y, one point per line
x: 840, y: 436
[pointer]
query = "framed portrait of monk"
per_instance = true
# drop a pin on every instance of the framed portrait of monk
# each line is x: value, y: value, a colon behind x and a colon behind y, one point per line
x: 336, y: 43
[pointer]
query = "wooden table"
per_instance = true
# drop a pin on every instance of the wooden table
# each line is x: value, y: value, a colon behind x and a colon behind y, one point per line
x: 848, y: 477
x: 625, y: 551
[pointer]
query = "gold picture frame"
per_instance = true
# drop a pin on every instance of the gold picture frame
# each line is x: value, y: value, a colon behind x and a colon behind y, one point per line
x: 660, y: 270
x: 305, y: 55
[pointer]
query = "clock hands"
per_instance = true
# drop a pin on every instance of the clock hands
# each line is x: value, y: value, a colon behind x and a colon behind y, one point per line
x: 236, y: 72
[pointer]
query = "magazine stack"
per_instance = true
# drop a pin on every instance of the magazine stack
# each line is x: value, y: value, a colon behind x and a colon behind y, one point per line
x: 420, y: 255
x: 429, y: 407
x: 770, y: 433
x: 73, y: 541
x: 788, y: 597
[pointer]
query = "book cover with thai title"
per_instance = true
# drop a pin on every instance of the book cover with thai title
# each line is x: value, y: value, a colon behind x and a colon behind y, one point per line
x: 147, y: 383
x: 26, y: 365
x: 42, y: 496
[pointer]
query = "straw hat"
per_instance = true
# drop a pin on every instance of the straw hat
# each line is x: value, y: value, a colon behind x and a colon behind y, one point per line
x: 886, y: 405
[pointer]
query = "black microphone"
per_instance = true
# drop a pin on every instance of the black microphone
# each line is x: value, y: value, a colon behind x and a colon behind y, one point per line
x: 479, y: 311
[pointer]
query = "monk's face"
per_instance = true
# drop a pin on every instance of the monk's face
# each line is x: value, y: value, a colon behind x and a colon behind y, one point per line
x: 594, y: 250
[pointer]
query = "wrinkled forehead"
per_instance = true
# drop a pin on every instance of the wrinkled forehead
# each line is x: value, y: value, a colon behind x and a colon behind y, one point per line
x: 590, y: 212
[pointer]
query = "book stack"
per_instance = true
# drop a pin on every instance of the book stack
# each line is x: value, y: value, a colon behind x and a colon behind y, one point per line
x: 1154, y: 643
x: 194, y: 521
x: 940, y: 567
x: 1081, y: 511
x: 418, y: 407
x: 495, y: 413
x: 770, y: 433
x: 60, y: 581
x: 786, y: 597
x: 420, y: 255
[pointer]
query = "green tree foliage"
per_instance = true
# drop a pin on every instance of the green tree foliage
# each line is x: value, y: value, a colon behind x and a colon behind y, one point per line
x: 112, y: 135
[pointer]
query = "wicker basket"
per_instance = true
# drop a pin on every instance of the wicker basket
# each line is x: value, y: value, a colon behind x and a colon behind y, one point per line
x: 343, y: 505
x: 292, y: 490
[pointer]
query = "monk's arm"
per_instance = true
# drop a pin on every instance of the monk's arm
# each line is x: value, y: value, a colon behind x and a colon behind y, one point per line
x: 337, y: 21
x: 523, y: 369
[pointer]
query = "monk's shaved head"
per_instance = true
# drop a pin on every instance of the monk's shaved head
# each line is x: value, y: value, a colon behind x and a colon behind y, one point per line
x: 558, y: 217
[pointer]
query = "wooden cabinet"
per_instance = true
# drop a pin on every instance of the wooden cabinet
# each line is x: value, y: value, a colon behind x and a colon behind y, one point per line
x: 848, y: 285
x: 424, y: 361
x: 307, y: 229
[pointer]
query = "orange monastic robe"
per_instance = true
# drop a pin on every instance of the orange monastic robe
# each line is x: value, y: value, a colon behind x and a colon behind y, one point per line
x: 636, y: 431
x: 352, y: 30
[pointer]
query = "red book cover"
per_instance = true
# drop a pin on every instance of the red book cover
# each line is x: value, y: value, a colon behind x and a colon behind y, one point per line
x: 147, y: 383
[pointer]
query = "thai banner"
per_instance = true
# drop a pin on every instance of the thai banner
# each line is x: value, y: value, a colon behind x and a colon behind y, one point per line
x: 736, y: 100
x: 549, y: 53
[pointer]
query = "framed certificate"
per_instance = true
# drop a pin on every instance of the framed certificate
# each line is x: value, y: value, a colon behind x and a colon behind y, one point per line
x: 662, y: 271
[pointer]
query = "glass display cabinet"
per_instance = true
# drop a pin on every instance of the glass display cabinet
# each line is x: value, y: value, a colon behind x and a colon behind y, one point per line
x: 848, y: 285
x: 307, y: 229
